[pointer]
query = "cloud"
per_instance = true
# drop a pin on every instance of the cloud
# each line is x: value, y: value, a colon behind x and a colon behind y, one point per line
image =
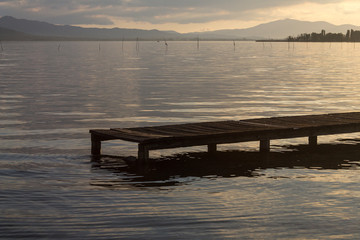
x: 153, y: 12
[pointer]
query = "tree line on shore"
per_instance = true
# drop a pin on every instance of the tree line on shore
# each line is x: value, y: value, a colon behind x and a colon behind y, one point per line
x: 350, y: 36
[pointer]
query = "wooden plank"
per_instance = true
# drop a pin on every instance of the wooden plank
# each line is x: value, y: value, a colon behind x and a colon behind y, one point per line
x: 105, y: 135
x: 187, y: 129
x: 302, y: 121
x: 204, y: 128
x: 347, y: 116
x: 222, y: 127
x: 163, y: 130
x: 225, y: 126
x: 353, y: 115
x: 261, y: 124
x: 138, y: 133
x: 274, y: 122
x: 167, y: 132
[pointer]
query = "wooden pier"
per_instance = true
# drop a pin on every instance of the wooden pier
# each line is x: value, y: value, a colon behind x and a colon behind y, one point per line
x: 222, y: 132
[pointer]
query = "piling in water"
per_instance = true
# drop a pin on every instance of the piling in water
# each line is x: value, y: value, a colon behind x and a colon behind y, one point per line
x: 137, y: 45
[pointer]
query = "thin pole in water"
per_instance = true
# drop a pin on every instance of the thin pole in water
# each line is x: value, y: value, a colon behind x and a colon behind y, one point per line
x: 166, y: 46
x: 2, y: 49
x: 137, y: 45
x: 270, y: 42
x: 122, y: 44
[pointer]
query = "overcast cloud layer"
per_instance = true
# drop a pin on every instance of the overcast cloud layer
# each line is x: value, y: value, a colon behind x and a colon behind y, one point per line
x: 148, y: 13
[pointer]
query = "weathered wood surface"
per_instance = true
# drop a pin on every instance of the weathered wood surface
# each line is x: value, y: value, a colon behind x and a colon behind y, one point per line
x: 212, y: 133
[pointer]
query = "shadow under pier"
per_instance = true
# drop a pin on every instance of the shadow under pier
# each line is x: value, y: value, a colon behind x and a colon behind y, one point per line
x: 167, y: 170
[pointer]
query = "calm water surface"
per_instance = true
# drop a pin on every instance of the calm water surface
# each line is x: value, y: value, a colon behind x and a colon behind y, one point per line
x: 52, y: 93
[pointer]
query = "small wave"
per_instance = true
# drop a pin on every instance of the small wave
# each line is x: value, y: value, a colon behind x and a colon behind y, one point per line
x: 72, y: 113
x: 131, y: 69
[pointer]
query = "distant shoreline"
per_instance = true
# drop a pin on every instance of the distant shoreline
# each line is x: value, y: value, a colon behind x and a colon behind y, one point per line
x: 54, y: 39
x: 285, y: 40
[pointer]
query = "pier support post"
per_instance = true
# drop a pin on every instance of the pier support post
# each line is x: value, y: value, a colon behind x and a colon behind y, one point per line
x: 95, y: 145
x: 265, y: 145
x: 212, y: 148
x: 143, y: 153
x: 313, y: 141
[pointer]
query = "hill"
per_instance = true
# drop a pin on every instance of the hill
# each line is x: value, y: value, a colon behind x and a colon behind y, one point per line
x: 278, y: 30
x: 281, y: 29
x: 45, y: 30
x: 12, y: 35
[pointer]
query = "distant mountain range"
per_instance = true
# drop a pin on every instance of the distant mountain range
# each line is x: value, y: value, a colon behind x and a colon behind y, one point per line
x: 21, y: 29
x: 47, y: 30
x: 281, y: 29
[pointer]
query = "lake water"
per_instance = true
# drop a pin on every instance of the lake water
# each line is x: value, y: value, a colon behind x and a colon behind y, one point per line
x: 52, y: 93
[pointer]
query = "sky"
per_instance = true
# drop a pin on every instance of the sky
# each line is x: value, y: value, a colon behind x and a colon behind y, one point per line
x: 181, y: 15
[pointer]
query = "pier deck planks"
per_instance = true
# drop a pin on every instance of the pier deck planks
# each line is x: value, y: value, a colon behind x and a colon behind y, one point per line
x: 213, y: 133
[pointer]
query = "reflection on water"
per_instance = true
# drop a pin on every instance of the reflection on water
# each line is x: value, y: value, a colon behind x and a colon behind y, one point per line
x: 181, y: 168
x: 50, y: 97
